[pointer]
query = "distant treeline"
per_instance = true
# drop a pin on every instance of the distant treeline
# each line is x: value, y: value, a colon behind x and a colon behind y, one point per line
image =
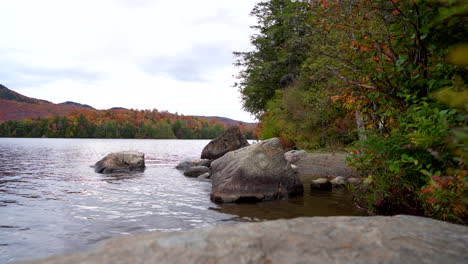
x: 112, y: 124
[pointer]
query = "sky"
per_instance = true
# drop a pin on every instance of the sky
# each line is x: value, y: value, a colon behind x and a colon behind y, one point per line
x: 140, y: 54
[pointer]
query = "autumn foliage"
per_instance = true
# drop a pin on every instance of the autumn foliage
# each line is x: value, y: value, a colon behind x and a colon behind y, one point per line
x: 88, y: 123
x: 385, y: 78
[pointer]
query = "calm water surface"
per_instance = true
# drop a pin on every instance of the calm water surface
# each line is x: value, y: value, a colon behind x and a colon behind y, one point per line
x: 51, y: 201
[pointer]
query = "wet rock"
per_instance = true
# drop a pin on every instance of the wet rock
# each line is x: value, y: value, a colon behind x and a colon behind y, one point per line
x: 338, y: 182
x: 124, y: 161
x: 196, y: 171
x: 255, y: 173
x: 321, y: 184
x: 316, y: 240
x: 204, y: 176
x: 231, y: 140
x: 294, y: 156
x: 187, y: 163
x: 354, y: 181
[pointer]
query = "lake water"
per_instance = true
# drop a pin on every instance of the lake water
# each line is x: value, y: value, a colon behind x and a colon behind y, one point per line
x: 52, y: 201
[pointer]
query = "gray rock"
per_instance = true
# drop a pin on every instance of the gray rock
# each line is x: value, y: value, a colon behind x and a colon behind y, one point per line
x: 294, y: 168
x: 338, y: 181
x: 187, y: 163
x: 204, y: 176
x: 231, y: 140
x: 354, y: 181
x: 294, y: 156
x: 321, y: 184
x: 316, y: 240
x: 124, y: 161
x: 254, y: 173
x: 196, y: 171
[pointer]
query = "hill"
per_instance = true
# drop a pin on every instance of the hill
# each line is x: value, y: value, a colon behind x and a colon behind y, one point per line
x: 225, y: 120
x: 15, y: 106
x: 7, y: 94
x: 77, y: 104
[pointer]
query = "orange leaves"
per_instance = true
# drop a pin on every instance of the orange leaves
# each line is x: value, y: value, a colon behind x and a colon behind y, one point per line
x: 325, y: 3
x: 364, y: 48
x: 428, y: 189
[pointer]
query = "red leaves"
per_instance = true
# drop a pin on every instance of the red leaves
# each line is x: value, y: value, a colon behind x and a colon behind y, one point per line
x: 428, y: 189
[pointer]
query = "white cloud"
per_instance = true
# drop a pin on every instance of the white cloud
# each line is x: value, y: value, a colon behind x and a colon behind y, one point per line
x: 169, y: 55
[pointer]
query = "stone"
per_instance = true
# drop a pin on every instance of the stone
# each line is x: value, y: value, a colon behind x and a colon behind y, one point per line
x: 294, y: 156
x: 294, y: 168
x: 316, y: 240
x: 187, y: 163
x: 196, y: 171
x: 354, y: 181
x: 254, y: 173
x: 338, y: 181
x: 321, y: 184
x: 204, y: 176
x: 124, y: 161
x: 231, y: 140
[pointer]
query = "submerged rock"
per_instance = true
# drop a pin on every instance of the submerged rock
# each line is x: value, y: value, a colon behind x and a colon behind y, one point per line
x: 196, y: 171
x: 254, y: 173
x: 316, y: 240
x: 123, y: 161
x: 321, y: 184
x: 187, y: 163
x: 231, y: 140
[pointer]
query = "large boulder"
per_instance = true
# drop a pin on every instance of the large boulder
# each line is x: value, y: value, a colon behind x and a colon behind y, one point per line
x: 124, y: 161
x: 254, y: 173
x: 314, y: 240
x: 232, y: 139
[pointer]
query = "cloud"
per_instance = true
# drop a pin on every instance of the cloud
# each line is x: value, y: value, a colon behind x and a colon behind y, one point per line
x: 194, y: 65
x: 172, y: 55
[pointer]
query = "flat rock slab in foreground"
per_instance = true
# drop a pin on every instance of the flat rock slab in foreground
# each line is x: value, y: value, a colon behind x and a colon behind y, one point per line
x: 124, y: 161
x: 398, y: 239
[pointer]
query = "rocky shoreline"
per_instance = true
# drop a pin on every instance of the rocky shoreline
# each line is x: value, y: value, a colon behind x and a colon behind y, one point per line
x: 376, y: 239
x: 321, y: 240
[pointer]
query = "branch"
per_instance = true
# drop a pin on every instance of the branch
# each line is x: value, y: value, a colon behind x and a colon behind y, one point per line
x: 351, y: 82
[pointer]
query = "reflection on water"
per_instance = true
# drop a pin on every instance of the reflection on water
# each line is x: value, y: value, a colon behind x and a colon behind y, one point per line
x: 313, y: 203
x: 52, y: 201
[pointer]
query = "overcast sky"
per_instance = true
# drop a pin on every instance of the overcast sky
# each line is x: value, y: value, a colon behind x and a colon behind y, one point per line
x: 142, y: 54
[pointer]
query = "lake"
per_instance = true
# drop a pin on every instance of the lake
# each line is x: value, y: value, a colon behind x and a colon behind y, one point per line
x: 52, y: 201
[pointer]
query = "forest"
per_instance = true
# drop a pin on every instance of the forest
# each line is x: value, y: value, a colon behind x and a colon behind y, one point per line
x: 383, y: 79
x: 123, y: 123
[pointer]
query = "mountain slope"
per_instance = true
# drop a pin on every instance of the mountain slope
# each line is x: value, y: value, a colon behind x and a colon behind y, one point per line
x: 7, y: 94
x: 77, y: 105
x: 15, y: 106
x: 224, y: 120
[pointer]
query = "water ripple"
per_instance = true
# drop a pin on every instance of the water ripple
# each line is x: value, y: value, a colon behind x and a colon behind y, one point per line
x: 49, y: 192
